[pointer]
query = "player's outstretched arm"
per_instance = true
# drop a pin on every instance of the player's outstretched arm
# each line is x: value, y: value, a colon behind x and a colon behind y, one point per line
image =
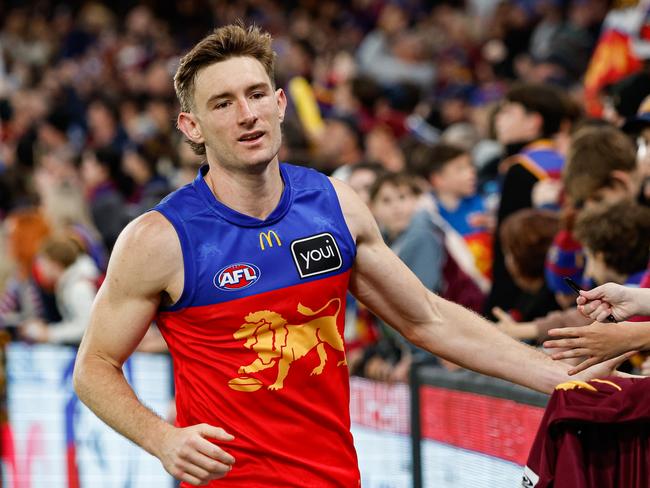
x: 598, y: 342
x: 620, y: 301
x: 382, y: 282
x: 146, y: 264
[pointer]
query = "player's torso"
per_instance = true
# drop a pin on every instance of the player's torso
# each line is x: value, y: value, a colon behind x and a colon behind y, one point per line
x: 257, y: 335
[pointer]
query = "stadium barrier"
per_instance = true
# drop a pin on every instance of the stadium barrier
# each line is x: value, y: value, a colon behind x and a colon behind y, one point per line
x: 444, y: 430
x: 470, y: 430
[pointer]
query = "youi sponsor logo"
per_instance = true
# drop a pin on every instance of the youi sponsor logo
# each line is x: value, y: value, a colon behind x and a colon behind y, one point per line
x: 316, y: 255
x: 236, y: 276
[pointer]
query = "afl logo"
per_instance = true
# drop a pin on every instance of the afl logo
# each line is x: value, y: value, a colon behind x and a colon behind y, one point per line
x: 236, y: 276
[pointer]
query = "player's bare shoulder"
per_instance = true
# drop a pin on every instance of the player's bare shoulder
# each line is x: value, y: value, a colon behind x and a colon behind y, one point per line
x: 357, y: 215
x: 148, y: 255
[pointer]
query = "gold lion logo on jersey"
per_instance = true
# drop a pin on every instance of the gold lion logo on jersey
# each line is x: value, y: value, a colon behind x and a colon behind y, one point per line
x: 278, y: 343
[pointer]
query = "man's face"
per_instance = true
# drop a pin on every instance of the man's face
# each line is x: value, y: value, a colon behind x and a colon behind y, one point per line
x: 237, y: 114
x: 514, y: 124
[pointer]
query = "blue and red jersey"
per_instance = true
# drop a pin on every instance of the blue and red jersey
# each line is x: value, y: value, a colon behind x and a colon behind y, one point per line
x: 257, y: 334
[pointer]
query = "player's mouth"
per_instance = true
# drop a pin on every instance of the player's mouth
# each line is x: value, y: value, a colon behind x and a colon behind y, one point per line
x: 251, y: 137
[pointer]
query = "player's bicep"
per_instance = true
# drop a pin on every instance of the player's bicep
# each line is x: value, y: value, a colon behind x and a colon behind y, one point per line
x: 144, y: 262
x: 117, y: 324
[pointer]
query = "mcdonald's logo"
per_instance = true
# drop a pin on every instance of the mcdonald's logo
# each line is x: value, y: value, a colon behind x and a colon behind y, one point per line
x: 268, y: 237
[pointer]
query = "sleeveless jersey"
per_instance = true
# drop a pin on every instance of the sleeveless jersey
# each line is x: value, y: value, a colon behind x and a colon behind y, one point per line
x: 257, y: 334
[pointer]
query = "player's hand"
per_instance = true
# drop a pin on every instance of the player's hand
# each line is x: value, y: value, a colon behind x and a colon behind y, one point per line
x: 610, y: 298
x: 596, y: 343
x: 188, y: 455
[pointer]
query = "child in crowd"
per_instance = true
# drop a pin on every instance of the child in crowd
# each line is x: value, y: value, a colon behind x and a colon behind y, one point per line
x: 452, y: 176
x: 75, y: 278
x: 419, y: 244
x: 411, y: 234
x: 526, y: 237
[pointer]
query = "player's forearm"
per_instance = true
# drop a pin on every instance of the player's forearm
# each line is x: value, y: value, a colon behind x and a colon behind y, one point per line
x: 465, y: 338
x: 103, y: 388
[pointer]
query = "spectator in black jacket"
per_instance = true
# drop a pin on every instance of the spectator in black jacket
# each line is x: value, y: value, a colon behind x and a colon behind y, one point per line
x: 529, y: 117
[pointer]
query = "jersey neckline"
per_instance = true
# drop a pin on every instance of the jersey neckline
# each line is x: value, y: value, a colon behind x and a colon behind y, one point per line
x: 235, y: 217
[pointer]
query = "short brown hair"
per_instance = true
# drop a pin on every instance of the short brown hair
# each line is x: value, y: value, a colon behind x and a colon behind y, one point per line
x: 527, y: 234
x: 621, y: 232
x: 428, y: 160
x: 394, y: 179
x: 61, y: 250
x: 546, y: 100
x: 224, y: 43
x: 594, y: 153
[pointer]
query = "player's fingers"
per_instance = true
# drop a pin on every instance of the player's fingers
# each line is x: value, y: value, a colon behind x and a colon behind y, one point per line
x: 567, y: 332
x: 570, y: 343
x: 570, y: 353
x: 191, y: 469
x: 213, y: 432
x: 587, y: 363
x: 188, y: 478
x: 581, y: 300
x: 205, y: 467
x: 214, y: 452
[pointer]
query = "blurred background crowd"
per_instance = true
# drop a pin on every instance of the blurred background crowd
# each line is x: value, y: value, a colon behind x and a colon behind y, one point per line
x: 502, y: 145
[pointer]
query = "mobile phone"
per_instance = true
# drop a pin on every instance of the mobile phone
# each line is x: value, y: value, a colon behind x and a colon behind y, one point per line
x: 575, y: 287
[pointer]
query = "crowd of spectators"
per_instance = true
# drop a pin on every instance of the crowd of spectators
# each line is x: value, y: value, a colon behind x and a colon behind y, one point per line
x: 470, y: 128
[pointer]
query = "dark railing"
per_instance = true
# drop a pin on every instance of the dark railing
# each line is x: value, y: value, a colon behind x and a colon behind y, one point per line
x: 461, y: 381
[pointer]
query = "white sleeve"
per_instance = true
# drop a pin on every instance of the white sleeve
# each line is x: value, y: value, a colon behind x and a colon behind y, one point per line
x: 78, y: 300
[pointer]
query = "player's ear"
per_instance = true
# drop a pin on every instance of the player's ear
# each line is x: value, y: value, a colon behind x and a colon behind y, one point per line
x: 189, y: 125
x: 281, y: 98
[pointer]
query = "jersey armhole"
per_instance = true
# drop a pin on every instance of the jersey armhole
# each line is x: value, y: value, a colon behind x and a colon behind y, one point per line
x: 188, y: 259
x: 340, y: 217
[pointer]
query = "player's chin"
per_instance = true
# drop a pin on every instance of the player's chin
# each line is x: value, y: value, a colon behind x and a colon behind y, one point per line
x: 257, y: 156
x: 257, y: 161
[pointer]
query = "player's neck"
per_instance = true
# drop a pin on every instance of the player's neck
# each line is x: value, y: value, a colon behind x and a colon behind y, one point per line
x: 255, y: 194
